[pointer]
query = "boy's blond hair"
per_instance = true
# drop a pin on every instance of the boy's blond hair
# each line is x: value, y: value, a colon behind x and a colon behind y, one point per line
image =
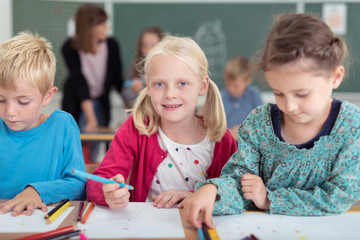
x: 238, y: 67
x: 188, y: 51
x: 27, y: 58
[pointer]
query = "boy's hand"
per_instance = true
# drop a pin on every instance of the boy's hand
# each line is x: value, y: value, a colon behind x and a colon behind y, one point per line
x: 254, y: 189
x: 169, y: 198
x: 115, y: 196
x: 200, y: 201
x: 28, y: 200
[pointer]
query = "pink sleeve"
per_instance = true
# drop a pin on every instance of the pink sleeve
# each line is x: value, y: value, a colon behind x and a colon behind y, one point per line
x: 117, y: 160
x: 222, y: 153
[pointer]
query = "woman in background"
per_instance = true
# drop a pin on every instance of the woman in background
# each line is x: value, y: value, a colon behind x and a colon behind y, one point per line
x: 94, y: 65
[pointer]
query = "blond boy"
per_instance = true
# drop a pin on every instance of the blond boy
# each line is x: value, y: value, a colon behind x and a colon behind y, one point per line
x: 239, y: 97
x: 37, y: 151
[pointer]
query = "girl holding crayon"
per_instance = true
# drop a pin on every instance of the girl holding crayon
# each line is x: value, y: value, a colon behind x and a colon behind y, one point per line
x: 165, y: 144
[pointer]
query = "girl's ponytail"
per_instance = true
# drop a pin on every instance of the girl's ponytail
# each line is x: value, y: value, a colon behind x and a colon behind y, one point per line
x: 145, y: 118
x: 214, y: 113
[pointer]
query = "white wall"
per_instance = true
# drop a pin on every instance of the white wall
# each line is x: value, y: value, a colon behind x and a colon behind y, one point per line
x: 5, y: 20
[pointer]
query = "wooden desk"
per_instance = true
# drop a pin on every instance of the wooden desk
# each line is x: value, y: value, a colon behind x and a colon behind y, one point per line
x: 190, y: 232
x: 103, y: 134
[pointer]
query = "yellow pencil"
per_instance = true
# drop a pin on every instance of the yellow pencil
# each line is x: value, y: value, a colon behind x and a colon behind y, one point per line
x: 213, y: 234
x: 58, y: 212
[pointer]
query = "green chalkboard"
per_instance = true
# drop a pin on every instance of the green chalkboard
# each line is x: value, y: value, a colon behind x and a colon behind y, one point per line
x: 48, y: 19
x: 223, y: 30
x: 352, y: 37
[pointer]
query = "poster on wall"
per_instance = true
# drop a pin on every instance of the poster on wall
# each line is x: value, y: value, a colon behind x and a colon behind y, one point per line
x: 335, y: 15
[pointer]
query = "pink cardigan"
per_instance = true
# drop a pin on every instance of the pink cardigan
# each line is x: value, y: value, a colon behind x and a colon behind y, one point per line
x: 141, y: 155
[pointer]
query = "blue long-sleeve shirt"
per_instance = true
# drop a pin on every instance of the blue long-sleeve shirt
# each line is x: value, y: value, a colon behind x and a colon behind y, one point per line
x: 237, y: 109
x: 43, y: 158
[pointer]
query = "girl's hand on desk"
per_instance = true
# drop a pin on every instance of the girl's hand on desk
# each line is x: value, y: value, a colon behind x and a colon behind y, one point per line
x: 202, y: 200
x: 28, y: 200
x: 254, y: 189
x: 115, y: 196
x: 169, y: 198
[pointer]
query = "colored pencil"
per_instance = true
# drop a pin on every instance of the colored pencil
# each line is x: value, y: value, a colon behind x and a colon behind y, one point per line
x: 58, y: 212
x: 47, y: 215
x: 213, y: 234
x: 200, y: 234
x: 246, y: 238
x: 205, y: 232
x: 66, y: 235
x: 52, y: 233
x: 253, y: 237
x: 86, y: 209
x: 83, y: 236
x: 87, y: 213
x: 97, y: 178
x: 81, y: 207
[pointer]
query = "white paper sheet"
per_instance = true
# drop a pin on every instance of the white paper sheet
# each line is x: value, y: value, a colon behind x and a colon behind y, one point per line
x: 137, y: 220
x: 33, y: 223
x: 278, y: 227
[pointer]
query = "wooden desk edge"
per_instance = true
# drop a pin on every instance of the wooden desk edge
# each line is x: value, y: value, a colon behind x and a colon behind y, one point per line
x: 96, y: 137
x: 103, y: 134
x: 190, y: 232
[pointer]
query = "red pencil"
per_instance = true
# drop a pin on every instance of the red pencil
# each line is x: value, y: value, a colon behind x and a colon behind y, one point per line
x: 80, y: 211
x: 49, y: 234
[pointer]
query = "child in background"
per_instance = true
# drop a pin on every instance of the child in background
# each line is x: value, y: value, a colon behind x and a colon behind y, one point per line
x: 165, y: 145
x: 147, y: 39
x: 302, y: 155
x: 239, y: 97
x: 38, y: 151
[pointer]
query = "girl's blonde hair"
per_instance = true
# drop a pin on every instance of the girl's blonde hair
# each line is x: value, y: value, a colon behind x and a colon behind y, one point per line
x: 27, y: 58
x: 188, y: 51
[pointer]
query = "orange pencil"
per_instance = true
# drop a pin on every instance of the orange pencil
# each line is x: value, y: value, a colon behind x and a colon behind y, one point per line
x: 87, y: 213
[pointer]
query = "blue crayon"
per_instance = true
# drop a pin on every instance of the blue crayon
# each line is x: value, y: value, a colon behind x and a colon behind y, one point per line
x: 97, y: 178
x: 200, y: 234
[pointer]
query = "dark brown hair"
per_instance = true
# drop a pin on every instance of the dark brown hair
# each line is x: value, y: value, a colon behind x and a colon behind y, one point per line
x: 238, y: 67
x: 86, y: 17
x: 138, y: 59
x: 296, y: 36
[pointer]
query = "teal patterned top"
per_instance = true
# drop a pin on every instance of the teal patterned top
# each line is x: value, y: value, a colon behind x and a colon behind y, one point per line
x: 323, y: 180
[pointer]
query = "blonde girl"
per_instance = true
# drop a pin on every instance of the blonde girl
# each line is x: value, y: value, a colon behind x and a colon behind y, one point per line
x: 165, y: 144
